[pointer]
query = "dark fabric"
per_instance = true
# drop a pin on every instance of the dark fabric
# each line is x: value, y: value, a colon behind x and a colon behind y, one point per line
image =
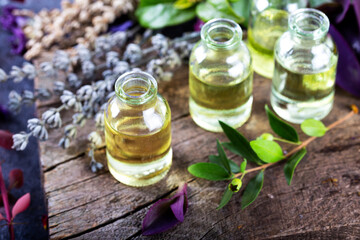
x: 29, y: 222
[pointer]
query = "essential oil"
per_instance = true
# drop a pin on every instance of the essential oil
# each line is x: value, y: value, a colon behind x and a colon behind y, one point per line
x: 268, y: 26
x: 220, y: 77
x: 138, y: 132
x: 305, y: 68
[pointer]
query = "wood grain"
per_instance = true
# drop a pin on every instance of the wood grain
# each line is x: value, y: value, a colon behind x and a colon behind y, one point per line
x: 85, y: 205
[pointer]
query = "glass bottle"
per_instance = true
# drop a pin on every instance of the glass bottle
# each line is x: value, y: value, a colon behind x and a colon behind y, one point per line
x: 220, y: 77
x: 268, y: 20
x: 305, y: 68
x: 138, y: 131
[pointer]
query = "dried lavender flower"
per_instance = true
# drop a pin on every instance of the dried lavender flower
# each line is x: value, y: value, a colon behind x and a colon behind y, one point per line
x: 102, y: 45
x: 14, y: 102
x: 172, y: 59
x: 133, y: 53
x: 59, y: 87
x: 17, y: 74
x: 95, y: 166
x: 121, y: 67
x: 118, y: 39
x: 43, y: 94
x: 61, y: 60
x: 52, y: 118
x: 99, y: 120
x: 155, y: 69
x: 20, y: 140
x: 48, y: 69
x: 79, y: 119
x: 73, y: 80
x: 85, y: 93
x: 64, y: 142
x: 88, y: 69
x: 161, y: 43
x: 83, y: 53
x: 29, y: 70
x: 3, y: 75
x: 95, y: 139
x: 37, y: 129
x: 70, y: 131
x: 28, y: 97
x: 69, y: 100
x: 112, y: 58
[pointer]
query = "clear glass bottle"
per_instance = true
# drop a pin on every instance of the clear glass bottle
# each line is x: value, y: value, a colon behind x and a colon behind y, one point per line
x: 305, y: 68
x: 268, y: 20
x: 220, y: 77
x: 138, y: 131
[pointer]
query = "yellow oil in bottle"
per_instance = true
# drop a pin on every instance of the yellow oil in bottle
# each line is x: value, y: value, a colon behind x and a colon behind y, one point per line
x: 263, y: 33
x: 215, y: 95
x: 138, y: 138
x: 297, y: 96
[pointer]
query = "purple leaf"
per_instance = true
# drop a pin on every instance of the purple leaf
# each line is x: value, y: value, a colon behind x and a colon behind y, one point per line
x: 2, y: 217
x: 18, y: 40
x: 346, y: 5
x: 198, y: 24
x: 6, y: 140
x: 166, y: 213
x: 16, y: 178
x: 21, y: 205
x: 122, y: 27
x: 348, y: 71
x: 4, y: 112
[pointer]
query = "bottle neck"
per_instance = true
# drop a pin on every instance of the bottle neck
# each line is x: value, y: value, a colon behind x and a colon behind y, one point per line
x: 221, y: 34
x: 136, y: 88
x: 309, y: 26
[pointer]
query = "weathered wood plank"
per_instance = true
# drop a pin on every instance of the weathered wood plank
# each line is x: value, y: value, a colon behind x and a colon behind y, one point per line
x: 92, y: 206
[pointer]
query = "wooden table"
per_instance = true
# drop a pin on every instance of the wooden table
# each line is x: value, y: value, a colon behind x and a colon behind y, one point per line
x: 323, y: 201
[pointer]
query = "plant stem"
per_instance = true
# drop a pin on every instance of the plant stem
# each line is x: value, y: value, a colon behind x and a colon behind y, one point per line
x: 286, y: 141
x: 5, y: 199
x: 304, y: 143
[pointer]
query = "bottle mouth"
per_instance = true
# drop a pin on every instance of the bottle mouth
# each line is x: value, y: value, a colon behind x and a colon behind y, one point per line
x: 308, y: 23
x: 136, y: 87
x: 221, y: 32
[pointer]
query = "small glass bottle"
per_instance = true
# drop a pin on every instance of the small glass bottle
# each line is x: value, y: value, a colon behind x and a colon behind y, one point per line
x: 305, y: 68
x: 138, y: 131
x: 268, y: 20
x: 220, y: 77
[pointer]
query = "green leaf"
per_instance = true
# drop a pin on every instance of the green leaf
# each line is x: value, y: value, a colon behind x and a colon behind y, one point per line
x: 252, y: 190
x: 144, y: 3
x: 225, y: 198
x: 291, y: 164
x: 266, y: 136
x: 162, y: 14
x: 281, y: 128
x: 209, y: 171
x: 183, y: 4
x: 242, y: 8
x: 243, y: 166
x: 217, y: 9
x: 233, y: 166
x: 239, y: 144
x: 268, y: 151
x: 313, y: 128
x: 223, y: 157
x: 317, y: 3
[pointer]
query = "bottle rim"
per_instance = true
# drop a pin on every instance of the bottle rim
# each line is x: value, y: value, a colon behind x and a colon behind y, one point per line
x: 226, y: 28
x: 309, y: 23
x: 136, y: 87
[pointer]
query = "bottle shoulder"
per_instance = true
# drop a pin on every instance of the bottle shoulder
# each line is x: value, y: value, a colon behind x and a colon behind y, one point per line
x: 237, y: 61
x: 309, y: 56
x: 142, y: 119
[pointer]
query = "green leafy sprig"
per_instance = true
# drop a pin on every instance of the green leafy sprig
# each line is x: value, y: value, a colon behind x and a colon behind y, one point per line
x: 163, y: 13
x: 264, y: 151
